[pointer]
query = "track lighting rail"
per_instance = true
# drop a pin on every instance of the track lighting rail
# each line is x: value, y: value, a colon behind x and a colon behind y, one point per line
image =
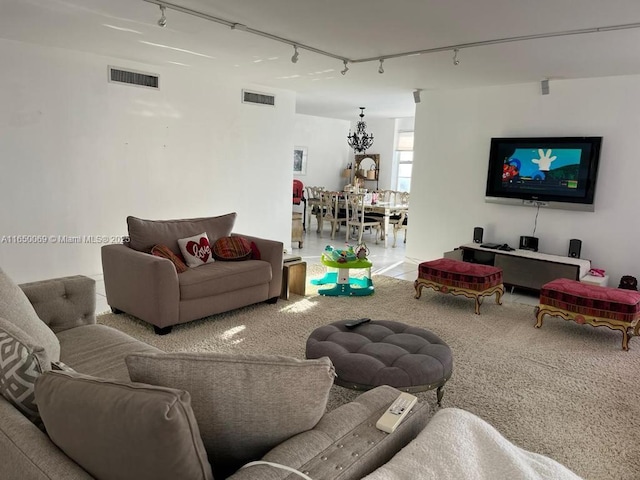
x: 380, y: 58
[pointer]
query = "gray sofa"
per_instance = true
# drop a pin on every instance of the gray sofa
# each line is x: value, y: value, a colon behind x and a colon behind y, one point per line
x: 150, y: 288
x: 59, y: 316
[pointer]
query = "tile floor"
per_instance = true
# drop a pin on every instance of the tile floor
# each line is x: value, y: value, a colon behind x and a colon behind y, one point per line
x: 387, y: 261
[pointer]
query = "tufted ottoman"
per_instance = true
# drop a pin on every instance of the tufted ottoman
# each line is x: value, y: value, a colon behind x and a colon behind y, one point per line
x: 594, y: 305
x: 383, y: 352
x: 475, y: 281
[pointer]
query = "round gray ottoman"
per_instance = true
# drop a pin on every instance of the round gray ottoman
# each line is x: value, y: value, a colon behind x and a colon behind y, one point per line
x: 383, y: 352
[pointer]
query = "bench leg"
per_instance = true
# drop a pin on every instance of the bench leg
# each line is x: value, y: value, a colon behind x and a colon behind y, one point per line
x: 418, y: 286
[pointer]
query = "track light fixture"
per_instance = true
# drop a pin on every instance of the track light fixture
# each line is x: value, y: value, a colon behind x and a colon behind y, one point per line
x: 346, y: 68
x: 294, y: 58
x: 380, y: 69
x: 456, y: 62
x: 163, y: 20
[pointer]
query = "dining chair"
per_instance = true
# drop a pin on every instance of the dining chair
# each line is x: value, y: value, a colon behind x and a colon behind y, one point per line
x: 313, y: 203
x: 400, y: 224
x: 356, y: 219
x: 329, y: 211
x: 400, y: 221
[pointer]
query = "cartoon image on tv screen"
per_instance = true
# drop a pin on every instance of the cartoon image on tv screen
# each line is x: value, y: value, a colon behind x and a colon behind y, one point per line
x: 558, y: 167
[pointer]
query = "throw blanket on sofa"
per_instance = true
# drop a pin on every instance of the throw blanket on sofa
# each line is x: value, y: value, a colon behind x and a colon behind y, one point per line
x: 457, y: 444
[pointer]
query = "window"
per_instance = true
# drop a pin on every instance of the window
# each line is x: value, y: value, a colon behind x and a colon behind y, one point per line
x: 404, y: 160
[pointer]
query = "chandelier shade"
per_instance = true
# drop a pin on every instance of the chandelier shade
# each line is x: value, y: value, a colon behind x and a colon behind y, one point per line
x: 360, y: 140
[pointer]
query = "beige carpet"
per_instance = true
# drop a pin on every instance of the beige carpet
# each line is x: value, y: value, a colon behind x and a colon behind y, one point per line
x: 566, y: 391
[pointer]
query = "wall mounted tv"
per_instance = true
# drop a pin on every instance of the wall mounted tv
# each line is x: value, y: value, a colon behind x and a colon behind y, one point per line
x: 554, y: 172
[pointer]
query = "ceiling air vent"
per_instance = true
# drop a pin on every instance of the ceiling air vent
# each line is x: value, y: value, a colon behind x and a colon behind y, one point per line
x: 258, y: 98
x: 130, y: 77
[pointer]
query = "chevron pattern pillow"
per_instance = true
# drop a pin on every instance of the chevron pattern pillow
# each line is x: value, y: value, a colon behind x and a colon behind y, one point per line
x: 21, y: 363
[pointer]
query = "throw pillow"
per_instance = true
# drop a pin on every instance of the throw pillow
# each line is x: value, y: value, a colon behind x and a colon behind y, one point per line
x: 16, y: 308
x: 244, y: 404
x: 163, y: 251
x: 21, y: 363
x: 196, y: 250
x: 122, y: 430
x: 232, y: 248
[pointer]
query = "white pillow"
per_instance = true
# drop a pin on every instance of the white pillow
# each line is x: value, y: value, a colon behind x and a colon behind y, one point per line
x: 196, y: 250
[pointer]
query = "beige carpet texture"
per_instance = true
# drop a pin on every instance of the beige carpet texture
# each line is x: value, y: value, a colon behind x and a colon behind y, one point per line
x: 567, y: 391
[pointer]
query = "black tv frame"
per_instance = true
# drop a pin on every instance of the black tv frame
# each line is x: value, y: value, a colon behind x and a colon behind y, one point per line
x: 493, y: 194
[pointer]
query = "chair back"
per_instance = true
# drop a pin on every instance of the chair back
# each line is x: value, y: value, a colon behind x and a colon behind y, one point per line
x: 402, y: 198
x: 298, y: 192
x: 355, y: 207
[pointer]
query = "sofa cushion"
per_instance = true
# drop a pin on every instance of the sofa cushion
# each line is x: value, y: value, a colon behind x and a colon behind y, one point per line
x: 196, y: 250
x: 16, y: 308
x: 232, y: 248
x: 163, y: 251
x: 122, y: 430
x: 244, y: 404
x: 144, y: 234
x: 222, y: 277
x: 345, y: 444
x: 22, y: 361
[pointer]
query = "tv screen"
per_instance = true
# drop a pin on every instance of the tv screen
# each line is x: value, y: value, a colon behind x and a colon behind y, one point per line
x: 557, y: 172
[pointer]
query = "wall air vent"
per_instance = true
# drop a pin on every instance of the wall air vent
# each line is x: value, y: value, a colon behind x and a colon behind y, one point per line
x: 258, y: 98
x: 130, y: 77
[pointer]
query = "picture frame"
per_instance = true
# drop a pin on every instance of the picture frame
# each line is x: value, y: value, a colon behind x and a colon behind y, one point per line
x: 300, y: 160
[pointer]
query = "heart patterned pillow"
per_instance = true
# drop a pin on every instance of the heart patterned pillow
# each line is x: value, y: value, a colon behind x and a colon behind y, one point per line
x: 196, y: 250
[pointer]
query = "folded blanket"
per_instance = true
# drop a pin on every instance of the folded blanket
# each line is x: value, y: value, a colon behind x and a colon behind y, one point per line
x: 458, y: 445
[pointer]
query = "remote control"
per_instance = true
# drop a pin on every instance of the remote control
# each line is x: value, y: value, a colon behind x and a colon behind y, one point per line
x: 399, y: 409
x: 355, y: 323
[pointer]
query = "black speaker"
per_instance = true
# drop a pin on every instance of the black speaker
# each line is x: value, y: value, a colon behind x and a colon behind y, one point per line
x: 529, y: 243
x: 477, y: 234
x: 574, y: 248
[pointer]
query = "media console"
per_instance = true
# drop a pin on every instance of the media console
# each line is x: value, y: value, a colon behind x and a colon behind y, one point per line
x: 524, y: 268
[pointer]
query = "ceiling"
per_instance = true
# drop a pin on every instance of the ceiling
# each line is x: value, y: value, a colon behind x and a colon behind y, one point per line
x: 351, y: 29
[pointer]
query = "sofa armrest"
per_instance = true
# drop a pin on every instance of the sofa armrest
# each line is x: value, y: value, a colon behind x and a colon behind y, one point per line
x: 63, y: 303
x: 271, y: 251
x: 141, y: 284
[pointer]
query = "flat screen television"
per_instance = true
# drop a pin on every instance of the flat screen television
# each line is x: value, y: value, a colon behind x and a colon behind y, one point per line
x: 555, y: 172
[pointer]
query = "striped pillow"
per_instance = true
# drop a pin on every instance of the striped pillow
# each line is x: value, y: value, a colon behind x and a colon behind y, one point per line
x: 164, y: 252
x: 232, y: 248
x: 21, y: 363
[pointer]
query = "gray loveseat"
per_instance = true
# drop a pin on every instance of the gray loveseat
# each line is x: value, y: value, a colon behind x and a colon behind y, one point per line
x: 150, y: 288
x: 55, y: 320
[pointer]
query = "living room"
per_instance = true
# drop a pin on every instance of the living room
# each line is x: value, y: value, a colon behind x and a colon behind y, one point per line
x: 80, y: 154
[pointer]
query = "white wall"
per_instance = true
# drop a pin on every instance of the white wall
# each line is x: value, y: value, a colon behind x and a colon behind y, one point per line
x: 328, y: 152
x: 453, y: 132
x: 79, y: 154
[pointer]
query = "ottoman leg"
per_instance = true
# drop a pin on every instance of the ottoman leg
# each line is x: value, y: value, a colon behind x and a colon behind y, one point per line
x: 478, y: 303
x: 418, y: 286
x: 625, y: 340
x: 440, y: 394
x: 499, y: 294
x: 539, y: 313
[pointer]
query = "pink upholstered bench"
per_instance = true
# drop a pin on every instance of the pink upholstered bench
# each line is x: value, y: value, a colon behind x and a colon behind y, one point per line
x: 472, y: 280
x: 598, y: 306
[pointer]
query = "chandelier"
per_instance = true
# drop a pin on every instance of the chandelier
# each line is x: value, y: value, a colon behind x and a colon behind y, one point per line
x: 360, y: 140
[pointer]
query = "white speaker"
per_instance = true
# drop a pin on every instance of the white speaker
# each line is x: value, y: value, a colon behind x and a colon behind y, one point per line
x: 416, y: 96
